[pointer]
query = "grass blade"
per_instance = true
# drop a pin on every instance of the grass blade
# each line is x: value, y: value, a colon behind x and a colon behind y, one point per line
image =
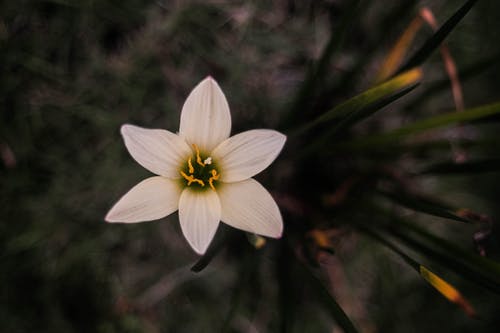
x: 329, y: 302
x: 363, y: 104
x: 443, y: 287
x: 398, y: 51
x: 475, y: 268
x: 472, y: 266
x: 364, y: 112
x: 437, y: 38
x: 447, y: 290
x: 442, y: 120
x: 423, y: 204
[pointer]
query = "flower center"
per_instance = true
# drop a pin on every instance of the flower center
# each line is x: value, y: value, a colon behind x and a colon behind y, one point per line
x: 199, y: 172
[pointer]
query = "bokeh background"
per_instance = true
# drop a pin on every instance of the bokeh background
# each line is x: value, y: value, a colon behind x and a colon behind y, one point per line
x: 72, y: 72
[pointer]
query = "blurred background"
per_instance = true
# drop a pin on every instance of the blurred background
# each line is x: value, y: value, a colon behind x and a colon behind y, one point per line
x: 72, y: 72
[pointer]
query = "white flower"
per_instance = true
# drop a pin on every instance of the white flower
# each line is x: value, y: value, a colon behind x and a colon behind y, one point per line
x: 202, y: 172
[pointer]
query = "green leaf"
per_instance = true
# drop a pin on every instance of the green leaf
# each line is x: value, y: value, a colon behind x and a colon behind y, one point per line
x: 437, y: 38
x: 364, y: 112
x: 467, y: 264
x: 424, y: 150
x: 375, y: 235
x: 442, y: 286
x: 329, y: 302
x: 442, y: 120
x: 368, y: 102
x: 395, y: 56
x: 472, y: 266
x: 423, y: 204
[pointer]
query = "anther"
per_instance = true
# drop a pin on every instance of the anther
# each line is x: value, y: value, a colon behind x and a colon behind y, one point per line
x: 211, y: 183
x: 191, y: 179
x: 199, y: 181
x: 190, y: 166
x: 215, y: 176
x: 198, y: 157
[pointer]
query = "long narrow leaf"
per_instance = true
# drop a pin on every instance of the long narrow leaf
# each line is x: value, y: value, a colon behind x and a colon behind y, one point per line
x: 467, y: 264
x: 420, y: 149
x: 443, y: 287
x: 398, y: 51
x: 471, y: 258
x: 366, y: 100
x: 330, y: 303
x: 447, y: 290
x: 423, y: 204
x: 437, y: 38
x: 474, y: 267
x: 442, y: 120
x: 448, y: 119
x: 368, y: 110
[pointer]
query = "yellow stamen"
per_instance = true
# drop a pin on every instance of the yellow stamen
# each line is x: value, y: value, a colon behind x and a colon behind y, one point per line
x: 190, y: 166
x: 188, y: 178
x: 198, y: 157
x: 199, y: 181
x: 215, y: 176
x: 191, y: 179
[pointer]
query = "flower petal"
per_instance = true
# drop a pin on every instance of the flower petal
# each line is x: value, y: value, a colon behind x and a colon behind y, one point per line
x: 248, y: 206
x: 205, y: 117
x: 160, y: 151
x: 248, y: 153
x: 151, y: 199
x: 199, y: 215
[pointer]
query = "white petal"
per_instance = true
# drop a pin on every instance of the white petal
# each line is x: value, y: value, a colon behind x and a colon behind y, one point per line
x: 160, y: 151
x: 205, y: 117
x: 248, y: 206
x: 199, y: 215
x: 246, y: 154
x: 151, y: 199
